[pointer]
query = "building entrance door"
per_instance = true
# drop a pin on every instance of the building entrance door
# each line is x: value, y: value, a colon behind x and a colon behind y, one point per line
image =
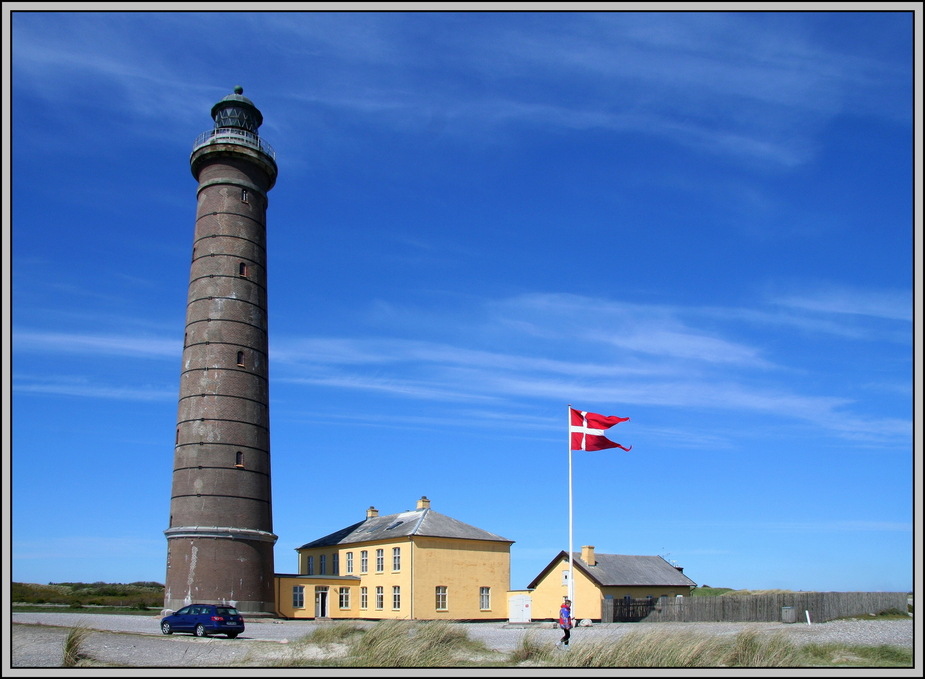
x: 321, y: 602
x: 519, y: 608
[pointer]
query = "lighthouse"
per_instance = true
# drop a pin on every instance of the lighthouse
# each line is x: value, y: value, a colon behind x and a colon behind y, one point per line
x: 220, y: 537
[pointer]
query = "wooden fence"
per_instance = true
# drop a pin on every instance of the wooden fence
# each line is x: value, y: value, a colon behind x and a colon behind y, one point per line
x: 783, y: 607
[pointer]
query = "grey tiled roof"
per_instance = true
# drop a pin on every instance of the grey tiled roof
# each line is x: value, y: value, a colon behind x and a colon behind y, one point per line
x: 615, y: 570
x: 420, y: 522
x: 622, y: 569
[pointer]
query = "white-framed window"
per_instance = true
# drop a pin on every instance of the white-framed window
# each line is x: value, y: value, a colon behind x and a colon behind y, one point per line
x: 364, y: 598
x: 364, y: 561
x: 349, y: 562
x: 310, y: 565
x: 440, y: 592
x: 298, y: 596
x: 485, y: 598
x: 565, y: 577
x: 380, y: 560
x: 343, y: 596
x: 396, y: 597
x: 379, y: 598
x: 396, y: 558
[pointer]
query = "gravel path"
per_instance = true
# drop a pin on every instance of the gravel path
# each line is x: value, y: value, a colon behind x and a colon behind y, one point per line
x: 136, y: 640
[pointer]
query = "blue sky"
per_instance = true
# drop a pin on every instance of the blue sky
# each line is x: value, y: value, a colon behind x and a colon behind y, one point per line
x: 702, y: 221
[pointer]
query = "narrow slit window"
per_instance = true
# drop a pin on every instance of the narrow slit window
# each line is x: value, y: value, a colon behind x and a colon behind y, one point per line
x: 243, y: 195
x: 242, y: 269
x: 239, y: 460
x: 241, y: 359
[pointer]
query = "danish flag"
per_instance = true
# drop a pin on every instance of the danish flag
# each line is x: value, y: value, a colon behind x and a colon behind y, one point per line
x: 587, y: 430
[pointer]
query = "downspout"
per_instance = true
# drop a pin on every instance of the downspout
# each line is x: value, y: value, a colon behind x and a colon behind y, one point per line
x: 276, y: 604
x: 413, y: 593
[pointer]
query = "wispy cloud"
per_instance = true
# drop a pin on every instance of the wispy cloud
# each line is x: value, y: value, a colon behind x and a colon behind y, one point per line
x: 79, y: 387
x: 712, y: 82
x: 891, y: 304
x: 27, y: 341
x: 555, y: 346
x: 563, y: 346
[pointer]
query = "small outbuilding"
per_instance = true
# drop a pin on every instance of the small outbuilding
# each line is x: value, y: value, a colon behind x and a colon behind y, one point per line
x: 602, y: 576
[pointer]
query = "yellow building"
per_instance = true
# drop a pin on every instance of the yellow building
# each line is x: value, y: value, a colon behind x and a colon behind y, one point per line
x: 414, y: 565
x: 597, y: 577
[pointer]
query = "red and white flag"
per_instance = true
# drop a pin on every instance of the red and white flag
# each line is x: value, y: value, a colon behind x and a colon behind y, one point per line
x: 587, y: 430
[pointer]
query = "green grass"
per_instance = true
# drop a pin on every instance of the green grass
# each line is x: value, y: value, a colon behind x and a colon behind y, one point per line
x: 710, y: 591
x: 78, y: 594
x: 845, y: 655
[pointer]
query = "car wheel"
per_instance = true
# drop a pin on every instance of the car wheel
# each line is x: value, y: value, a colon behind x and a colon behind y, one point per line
x: 232, y: 635
x: 201, y: 631
x: 165, y: 628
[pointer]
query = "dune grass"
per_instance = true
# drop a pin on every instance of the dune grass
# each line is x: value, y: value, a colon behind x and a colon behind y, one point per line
x: 335, y: 633
x: 671, y: 648
x: 401, y: 643
x: 438, y: 644
x: 75, y: 654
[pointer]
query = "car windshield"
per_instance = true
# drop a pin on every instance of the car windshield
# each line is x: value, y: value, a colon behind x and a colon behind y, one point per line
x: 226, y: 611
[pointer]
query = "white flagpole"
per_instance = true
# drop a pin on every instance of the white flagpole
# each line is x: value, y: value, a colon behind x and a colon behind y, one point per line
x: 571, y: 565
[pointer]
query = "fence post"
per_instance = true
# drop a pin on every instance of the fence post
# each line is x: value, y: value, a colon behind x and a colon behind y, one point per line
x: 607, y: 610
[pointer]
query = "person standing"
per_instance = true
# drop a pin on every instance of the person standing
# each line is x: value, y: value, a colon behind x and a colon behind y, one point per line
x: 566, y: 622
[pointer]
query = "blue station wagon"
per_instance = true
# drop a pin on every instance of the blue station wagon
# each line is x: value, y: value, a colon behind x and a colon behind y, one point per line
x: 204, y: 620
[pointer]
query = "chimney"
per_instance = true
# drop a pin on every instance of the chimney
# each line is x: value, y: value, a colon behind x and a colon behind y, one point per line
x: 587, y: 555
x: 423, y: 503
x: 372, y: 512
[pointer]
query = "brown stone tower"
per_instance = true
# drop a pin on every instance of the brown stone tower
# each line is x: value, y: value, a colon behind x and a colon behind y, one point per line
x: 220, y: 540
